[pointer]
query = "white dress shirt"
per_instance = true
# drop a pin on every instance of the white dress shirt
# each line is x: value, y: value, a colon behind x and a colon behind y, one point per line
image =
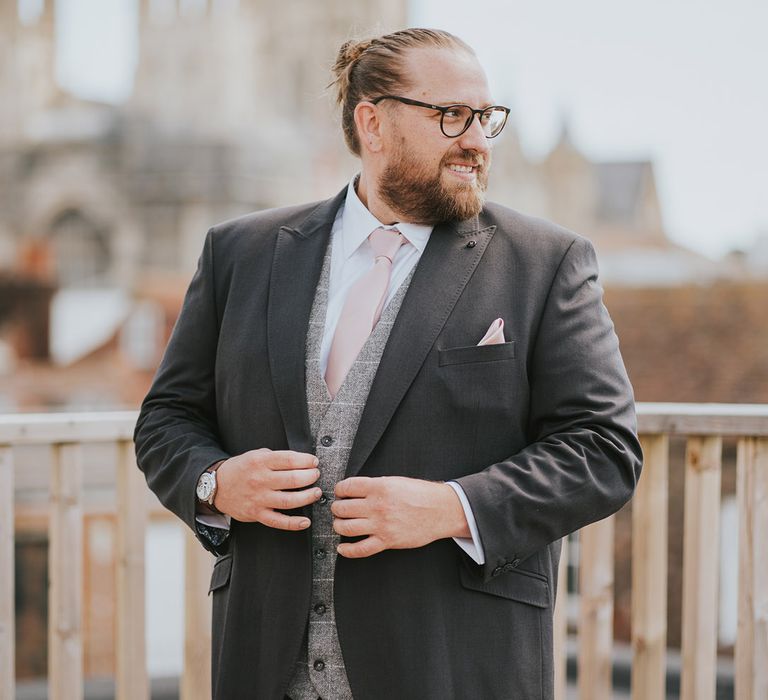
x: 351, y: 257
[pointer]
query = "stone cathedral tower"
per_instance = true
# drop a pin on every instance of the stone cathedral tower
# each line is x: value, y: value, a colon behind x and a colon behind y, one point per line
x: 228, y: 114
x: 230, y: 67
x: 230, y: 95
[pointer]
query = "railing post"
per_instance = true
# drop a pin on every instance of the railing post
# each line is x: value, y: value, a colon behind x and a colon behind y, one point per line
x: 701, y: 555
x: 196, y: 678
x: 7, y: 575
x: 649, y: 571
x: 132, y: 677
x: 65, y: 572
x: 596, y: 610
x: 560, y: 626
x: 752, y: 635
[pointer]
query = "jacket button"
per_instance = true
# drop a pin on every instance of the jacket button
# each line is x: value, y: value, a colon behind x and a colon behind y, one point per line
x: 515, y: 563
x: 318, y: 665
x: 496, y: 571
x: 320, y: 608
x: 326, y: 441
x: 319, y: 554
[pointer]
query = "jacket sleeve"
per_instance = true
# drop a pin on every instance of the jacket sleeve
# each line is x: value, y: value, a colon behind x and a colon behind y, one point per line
x: 584, y: 458
x: 176, y: 434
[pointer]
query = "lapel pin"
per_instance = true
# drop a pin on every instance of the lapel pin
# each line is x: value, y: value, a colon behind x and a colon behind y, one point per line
x: 471, y: 244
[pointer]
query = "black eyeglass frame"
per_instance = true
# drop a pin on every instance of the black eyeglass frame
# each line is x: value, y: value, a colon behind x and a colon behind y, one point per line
x: 448, y: 108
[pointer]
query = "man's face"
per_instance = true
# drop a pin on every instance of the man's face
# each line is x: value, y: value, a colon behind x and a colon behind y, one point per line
x: 429, y: 177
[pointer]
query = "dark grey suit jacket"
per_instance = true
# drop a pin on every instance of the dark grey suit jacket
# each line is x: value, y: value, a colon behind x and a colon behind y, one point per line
x: 539, y: 431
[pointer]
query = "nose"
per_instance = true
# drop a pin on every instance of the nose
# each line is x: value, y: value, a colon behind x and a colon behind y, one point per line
x: 474, y: 139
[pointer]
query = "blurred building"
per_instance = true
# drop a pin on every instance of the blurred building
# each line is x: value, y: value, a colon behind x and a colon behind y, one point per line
x: 615, y: 204
x: 228, y: 114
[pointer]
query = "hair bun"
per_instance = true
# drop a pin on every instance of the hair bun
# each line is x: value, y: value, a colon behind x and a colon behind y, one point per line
x: 349, y: 52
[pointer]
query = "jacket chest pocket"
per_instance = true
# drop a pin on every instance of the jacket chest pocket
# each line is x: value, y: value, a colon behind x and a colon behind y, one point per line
x: 480, y: 377
x: 472, y: 354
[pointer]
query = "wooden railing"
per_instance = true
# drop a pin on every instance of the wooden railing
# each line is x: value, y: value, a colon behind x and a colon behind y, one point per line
x: 66, y: 435
x: 704, y: 426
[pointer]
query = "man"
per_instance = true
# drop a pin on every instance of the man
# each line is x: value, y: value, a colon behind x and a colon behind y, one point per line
x: 426, y: 386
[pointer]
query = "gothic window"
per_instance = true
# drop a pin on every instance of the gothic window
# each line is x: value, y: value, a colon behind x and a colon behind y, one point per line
x: 81, y: 250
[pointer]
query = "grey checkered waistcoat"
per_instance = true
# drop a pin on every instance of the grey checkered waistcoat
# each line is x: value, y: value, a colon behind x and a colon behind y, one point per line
x: 320, y: 670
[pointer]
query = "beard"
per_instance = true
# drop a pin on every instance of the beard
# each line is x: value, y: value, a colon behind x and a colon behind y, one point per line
x: 420, y: 196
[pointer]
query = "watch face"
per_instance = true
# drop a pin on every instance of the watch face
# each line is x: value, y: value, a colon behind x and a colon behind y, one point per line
x: 204, y: 486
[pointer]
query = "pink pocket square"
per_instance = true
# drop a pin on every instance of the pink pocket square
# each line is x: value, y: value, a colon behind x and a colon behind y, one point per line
x: 495, y: 333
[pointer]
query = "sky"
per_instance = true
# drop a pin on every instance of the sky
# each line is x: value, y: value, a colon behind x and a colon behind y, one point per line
x: 681, y: 83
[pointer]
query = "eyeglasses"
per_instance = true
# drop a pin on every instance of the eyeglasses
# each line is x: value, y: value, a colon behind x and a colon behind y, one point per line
x: 456, y: 119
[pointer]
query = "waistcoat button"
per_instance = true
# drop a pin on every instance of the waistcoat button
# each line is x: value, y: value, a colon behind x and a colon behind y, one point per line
x: 326, y: 441
x: 318, y: 665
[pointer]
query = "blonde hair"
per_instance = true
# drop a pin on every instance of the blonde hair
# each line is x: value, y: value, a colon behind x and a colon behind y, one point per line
x: 368, y: 68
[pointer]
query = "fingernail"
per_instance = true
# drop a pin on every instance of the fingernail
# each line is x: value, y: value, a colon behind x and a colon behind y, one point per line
x: 304, y: 523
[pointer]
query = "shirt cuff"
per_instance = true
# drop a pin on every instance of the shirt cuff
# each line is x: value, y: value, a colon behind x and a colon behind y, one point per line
x: 472, y: 546
x: 219, y: 521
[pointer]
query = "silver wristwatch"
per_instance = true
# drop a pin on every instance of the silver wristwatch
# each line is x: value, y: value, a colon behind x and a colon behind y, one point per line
x: 206, y: 486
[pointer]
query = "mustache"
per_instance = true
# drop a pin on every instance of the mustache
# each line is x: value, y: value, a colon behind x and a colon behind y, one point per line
x: 465, y: 157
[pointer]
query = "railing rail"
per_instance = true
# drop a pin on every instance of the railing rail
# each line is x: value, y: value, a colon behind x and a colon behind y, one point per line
x: 704, y: 426
x: 65, y: 434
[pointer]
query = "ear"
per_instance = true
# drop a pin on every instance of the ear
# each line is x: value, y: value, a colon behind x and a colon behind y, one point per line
x: 369, y: 126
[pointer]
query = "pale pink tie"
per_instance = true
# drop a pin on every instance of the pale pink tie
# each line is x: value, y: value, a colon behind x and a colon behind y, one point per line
x: 362, y: 308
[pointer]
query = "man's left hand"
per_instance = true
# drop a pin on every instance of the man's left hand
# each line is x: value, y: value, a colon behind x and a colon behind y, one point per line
x: 395, y: 512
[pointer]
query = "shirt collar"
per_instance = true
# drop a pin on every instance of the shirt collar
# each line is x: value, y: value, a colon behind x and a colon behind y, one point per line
x: 358, y: 223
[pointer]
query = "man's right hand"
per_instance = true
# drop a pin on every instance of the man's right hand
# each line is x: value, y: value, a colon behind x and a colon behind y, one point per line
x: 253, y: 485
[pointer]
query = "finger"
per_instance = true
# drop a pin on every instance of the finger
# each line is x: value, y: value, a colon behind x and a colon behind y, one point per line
x: 291, y: 479
x: 351, y: 507
x: 281, y: 521
x: 352, y: 528
x: 364, y: 548
x: 355, y: 487
x: 288, y: 459
x: 285, y: 500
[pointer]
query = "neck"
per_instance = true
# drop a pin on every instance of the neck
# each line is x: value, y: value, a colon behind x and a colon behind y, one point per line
x: 366, y: 191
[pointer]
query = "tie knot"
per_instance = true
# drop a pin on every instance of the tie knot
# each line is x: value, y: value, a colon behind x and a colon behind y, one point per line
x: 386, y: 242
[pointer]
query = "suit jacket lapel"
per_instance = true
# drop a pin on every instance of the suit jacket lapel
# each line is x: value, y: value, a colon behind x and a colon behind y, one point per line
x: 296, y: 267
x: 450, y: 258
